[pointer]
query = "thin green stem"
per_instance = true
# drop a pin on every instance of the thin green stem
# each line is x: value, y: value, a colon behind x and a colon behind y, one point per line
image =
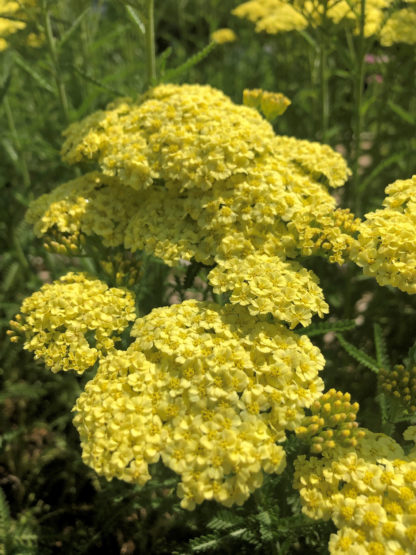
x: 357, y: 117
x: 323, y: 76
x: 50, y: 39
x: 150, y: 43
x: 17, y: 143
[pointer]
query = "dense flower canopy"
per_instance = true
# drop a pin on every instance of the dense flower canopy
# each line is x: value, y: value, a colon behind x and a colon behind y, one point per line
x: 382, y: 18
x: 14, y: 19
x: 369, y: 493
x: 208, y: 389
x: 57, y: 320
x: 195, y: 176
x: 386, y: 245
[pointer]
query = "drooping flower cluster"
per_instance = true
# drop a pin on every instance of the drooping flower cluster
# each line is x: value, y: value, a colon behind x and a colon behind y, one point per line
x: 210, y: 390
x: 72, y: 322
x: 369, y: 493
x: 382, y: 18
x: 386, y: 244
x: 198, y: 177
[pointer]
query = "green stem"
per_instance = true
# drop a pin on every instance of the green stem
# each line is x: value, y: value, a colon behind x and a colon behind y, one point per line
x: 15, y: 136
x: 150, y: 43
x: 323, y: 76
x: 357, y: 118
x: 63, y: 100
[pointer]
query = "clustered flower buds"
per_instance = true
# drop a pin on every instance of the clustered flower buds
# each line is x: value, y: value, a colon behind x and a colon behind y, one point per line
x: 401, y: 384
x: 332, y: 423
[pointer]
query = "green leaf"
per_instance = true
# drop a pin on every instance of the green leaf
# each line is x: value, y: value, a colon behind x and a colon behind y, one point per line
x: 381, y: 348
x: 191, y: 62
x: 68, y: 34
x: 5, y: 86
x: 34, y: 74
x: 379, y: 168
x: 136, y: 19
x: 359, y: 355
x: 402, y: 113
x: 95, y: 81
x: 4, y: 518
x: 325, y: 327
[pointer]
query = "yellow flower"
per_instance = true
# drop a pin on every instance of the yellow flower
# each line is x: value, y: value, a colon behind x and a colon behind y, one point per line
x: 190, y: 390
x: 221, y: 36
x: 72, y: 322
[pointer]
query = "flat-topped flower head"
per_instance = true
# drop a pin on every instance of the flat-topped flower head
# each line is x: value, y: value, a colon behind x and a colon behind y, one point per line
x: 74, y: 321
x: 210, y: 390
x: 386, y: 243
x: 381, y: 17
x: 369, y: 492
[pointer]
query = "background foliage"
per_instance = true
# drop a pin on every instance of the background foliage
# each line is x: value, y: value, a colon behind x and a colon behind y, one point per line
x: 50, y: 501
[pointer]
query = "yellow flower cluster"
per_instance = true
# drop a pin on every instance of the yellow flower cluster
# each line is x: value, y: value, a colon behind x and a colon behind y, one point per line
x: 208, y: 389
x: 369, y: 493
x: 270, y: 104
x: 73, y: 321
x: 332, y: 423
x: 90, y: 205
x: 222, y: 36
x: 401, y: 384
x: 386, y: 242
x: 208, y: 180
x: 382, y: 18
x: 284, y: 289
x: 13, y: 20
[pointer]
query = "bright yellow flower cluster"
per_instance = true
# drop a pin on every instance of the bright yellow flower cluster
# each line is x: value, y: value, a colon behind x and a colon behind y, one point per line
x: 13, y: 20
x: 386, y: 243
x: 208, y: 389
x: 381, y: 18
x: 332, y: 423
x: 208, y: 180
x: 369, y: 493
x: 222, y: 36
x: 73, y: 321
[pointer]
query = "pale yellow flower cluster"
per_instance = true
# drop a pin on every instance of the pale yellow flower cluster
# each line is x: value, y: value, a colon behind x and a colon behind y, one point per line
x: 91, y: 205
x: 284, y: 289
x: 209, y: 390
x: 386, y: 246
x: 382, y: 18
x: 369, y: 493
x: 72, y: 322
x: 208, y: 180
x: 13, y: 20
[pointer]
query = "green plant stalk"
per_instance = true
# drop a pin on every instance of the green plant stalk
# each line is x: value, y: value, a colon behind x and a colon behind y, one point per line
x: 15, y: 136
x: 355, y: 193
x: 323, y: 76
x: 150, y: 43
x: 60, y: 86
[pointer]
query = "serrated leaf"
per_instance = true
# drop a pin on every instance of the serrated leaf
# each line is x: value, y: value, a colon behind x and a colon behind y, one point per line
x: 5, y: 86
x: 191, y: 62
x: 204, y: 543
x: 381, y: 348
x: 136, y: 19
x: 69, y: 32
x: 402, y: 113
x: 34, y: 74
x: 359, y: 355
x: 325, y: 327
x: 4, y: 518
